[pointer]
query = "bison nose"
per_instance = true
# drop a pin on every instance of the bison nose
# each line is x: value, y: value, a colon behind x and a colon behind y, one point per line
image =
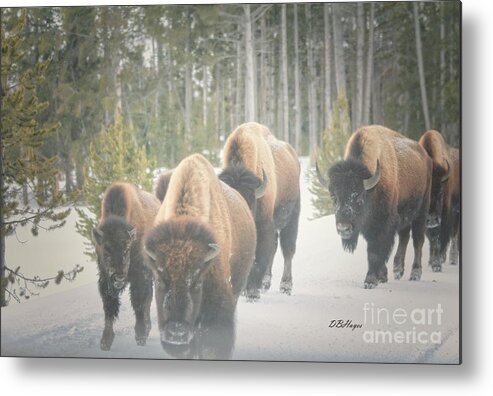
x: 432, y: 221
x: 177, y: 333
x: 345, y: 230
x: 344, y: 227
x: 118, y: 280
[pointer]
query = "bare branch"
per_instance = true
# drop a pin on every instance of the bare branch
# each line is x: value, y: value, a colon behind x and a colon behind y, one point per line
x: 260, y: 11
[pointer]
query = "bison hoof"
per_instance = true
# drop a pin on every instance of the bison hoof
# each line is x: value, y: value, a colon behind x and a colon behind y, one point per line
x: 107, y: 339
x: 415, y: 276
x: 141, y: 341
x: 398, y: 274
x: 370, y: 285
x: 371, y: 282
x: 286, y: 287
x: 454, y: 261
x: 437, y: 268
x: 106, y: 344
x: 253, y: 295
x: 266, y: 283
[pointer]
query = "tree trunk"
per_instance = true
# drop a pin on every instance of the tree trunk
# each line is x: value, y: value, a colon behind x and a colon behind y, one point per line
x: 250, y: 114
x: 340, y: 66
x: 421, y: 71
x: 359, y: 65
x: 238, y: 84
x: 3, y: 292
x: 297, y: 100
x: 188, y: 97
x: 327, y: 68
x: 442, y: 68
x: 204, y: 95
x: 365, y: 118
x: 312, y: 93
x: 284, y: 73
x: 377, y: 100
x: 340, y: 69
x: 263, y: 73
x: 218, y: 102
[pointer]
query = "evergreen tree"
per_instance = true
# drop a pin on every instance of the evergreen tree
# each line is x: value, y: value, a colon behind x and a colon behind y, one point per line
x: 330, y: 151
x: 29, y: 189
x: 114, y: 156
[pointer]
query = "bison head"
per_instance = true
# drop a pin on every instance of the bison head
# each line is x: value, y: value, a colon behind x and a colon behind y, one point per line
x: 113, y: 240
x: 180, y: 253
x: 350, y: 183
x: 439, y: 179
x: 244, y: 181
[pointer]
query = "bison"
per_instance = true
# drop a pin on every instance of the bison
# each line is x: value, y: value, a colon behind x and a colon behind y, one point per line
x: 162, y: 184
x: 251, y: 150
x: 382, y: 186
x: 443, y: 221
x: 126, y: 213
x: 200, y: 250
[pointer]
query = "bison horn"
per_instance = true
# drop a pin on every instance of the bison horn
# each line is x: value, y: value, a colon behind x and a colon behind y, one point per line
x: 213, y: 252
x: 260, y: 190
x: 373, y: 180
x: 151, y: 255
x: 98, y: 235
x: 446, y: 175
x: 323, y: 182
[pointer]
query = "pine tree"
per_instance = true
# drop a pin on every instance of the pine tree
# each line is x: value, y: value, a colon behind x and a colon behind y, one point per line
x: 330, y: 151
x: 114, y: 156
x: 29, y: 190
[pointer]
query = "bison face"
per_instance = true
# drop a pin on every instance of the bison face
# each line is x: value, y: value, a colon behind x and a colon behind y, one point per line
x: 439, y: 180
x: 180, y: 265
x: 113, y: 240
x: 350, y: 185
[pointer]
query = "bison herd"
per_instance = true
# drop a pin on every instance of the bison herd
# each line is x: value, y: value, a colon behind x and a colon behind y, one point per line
x: 203, y: 239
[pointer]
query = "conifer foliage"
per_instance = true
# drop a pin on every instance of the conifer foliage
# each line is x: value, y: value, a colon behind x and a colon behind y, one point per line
x: 29, y: 188
x: 113, y: 157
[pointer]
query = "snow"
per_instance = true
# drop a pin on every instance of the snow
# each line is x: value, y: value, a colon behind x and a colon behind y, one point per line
x: 328, y: 285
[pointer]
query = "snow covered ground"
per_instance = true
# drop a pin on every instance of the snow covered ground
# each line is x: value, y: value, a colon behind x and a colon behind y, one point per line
x: 420, y: 319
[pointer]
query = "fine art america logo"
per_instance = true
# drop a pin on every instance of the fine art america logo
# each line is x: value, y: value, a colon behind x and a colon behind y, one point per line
x: 420, y: 325
x: 396, y: 326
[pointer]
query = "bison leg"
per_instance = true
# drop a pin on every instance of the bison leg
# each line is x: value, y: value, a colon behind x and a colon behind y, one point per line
x: 141, y: 298
x: 418, y: 241
x: 267, y: 278
x: 434, y: 261
x: 111, y: 307
x: 264, y: 255
x: 216, y: 341
x: 401, y: 253
x: 288, y: 238
x: 454, y: 250
x: 454, y: 246
x: 378, y: 254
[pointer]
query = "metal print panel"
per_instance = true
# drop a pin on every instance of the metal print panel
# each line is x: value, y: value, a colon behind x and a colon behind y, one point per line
x: 239, y: 181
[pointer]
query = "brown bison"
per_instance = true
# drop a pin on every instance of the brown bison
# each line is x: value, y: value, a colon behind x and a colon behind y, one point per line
x: 443, y: 221
x: 382, y: 186
x: 126, y: 213
x: 162, y: 184
x: 200, y: 250
x: 252, y: 151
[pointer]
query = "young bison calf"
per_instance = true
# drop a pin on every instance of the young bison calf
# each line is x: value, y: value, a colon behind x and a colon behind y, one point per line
x: 126, y: 213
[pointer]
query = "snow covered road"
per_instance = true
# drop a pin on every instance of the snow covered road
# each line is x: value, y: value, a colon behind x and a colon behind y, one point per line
x: 401, y: 321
